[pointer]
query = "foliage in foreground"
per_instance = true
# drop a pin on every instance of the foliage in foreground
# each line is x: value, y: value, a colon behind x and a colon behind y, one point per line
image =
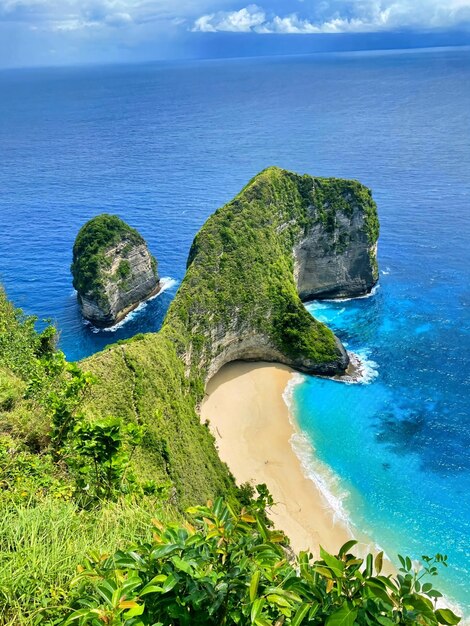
x: 230, y: 568
x: 43, y: 539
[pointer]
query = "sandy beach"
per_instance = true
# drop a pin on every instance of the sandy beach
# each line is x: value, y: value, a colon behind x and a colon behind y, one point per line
x: 250, y: 421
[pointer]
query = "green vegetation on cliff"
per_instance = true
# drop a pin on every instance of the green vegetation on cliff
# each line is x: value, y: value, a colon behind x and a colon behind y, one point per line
x: 95, y: 238
x: 240, y: 273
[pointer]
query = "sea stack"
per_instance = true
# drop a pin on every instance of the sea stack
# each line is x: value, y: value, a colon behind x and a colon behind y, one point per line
x: 113, y: 270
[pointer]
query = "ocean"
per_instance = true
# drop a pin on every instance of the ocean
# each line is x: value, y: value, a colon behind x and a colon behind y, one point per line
x: 163, y: 145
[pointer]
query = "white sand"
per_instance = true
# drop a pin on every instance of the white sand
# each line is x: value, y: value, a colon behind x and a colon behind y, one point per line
x: 250, y: 422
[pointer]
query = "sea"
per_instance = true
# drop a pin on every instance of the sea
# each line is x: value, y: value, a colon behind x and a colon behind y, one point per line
x: 164, y: 144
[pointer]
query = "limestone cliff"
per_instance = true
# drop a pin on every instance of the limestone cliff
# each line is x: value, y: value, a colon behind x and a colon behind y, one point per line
x: 337, y: 256
x: 285, y: 238
x: 113, y: 270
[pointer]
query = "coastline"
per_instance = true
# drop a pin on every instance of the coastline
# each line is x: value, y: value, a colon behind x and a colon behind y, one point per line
x: 249, y: 418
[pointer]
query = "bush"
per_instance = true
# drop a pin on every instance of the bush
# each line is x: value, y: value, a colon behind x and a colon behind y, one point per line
x: 229, y: 568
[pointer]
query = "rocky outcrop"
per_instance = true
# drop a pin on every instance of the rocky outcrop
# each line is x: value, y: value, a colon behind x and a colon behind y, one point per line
x: 285, y: 238
x: 113, y: 270
x: 337, y: 258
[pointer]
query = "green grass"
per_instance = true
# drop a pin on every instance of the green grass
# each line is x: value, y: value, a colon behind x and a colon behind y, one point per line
x: 41, y: 546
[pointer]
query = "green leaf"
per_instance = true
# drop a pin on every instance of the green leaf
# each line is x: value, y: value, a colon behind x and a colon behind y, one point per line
x: 346, y: 616
x: 323, y: 571
x: 446, y: 616
x: 134, y: 612
x: 182, y: 565
x: 150, y: 589
x: 256, y: 609
x: 278, y: 600
x: 336, y: 566
x: 169, y: 583
x: 300, y: 614
x: 379, y: 559
x: 379, y: 591
x: 254, y: 585
x: 76, y: 615
x: 106, y: 591
x: 346, y: 547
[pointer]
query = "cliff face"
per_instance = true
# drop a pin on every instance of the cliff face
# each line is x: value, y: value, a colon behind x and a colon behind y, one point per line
x: 285, y: 238
x: 113, y: 270
x: 337, y: 258
x: 123, y: 289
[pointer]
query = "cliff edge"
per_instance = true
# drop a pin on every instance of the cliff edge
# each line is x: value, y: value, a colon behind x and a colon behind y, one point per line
x: 113, y: 270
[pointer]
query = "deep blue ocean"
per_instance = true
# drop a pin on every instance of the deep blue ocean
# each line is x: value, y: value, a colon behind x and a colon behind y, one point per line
x: 163, y: 145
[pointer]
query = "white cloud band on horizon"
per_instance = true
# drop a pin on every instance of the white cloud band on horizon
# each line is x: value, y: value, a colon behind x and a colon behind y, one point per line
x: 209, y: 16
x: 344, y: 17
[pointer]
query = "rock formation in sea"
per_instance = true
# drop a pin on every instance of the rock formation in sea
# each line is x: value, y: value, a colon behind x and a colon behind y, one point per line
x: 239, y: 299
x: 113, y: 270
x: 337, y: 257
x: 285, y: 238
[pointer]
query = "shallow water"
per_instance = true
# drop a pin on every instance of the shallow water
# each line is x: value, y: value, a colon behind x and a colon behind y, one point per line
x: 163, y: 145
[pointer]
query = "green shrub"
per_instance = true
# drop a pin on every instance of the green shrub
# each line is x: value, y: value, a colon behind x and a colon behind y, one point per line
x: 124, y: 269
x: 229, y: 568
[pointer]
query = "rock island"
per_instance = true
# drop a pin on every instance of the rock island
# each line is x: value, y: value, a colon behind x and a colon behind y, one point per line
x: 113, y: 270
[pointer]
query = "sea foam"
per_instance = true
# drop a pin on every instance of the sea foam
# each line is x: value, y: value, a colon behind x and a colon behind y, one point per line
x: 320, y: 474
x: 372, y: 293
x: 366, y: 370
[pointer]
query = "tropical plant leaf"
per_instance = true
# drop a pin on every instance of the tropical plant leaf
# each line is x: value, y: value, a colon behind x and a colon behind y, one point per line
x: 346, y: 616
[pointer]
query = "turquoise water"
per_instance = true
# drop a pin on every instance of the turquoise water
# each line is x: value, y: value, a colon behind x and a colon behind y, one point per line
x: 394, y: 449
x: 163, y: 145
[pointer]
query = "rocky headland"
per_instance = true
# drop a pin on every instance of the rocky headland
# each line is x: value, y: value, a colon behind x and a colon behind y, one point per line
x: 240, y: 299
x: 113, y: 270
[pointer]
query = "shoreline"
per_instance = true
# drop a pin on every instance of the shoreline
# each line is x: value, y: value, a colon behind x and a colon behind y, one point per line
x: 245, y: 405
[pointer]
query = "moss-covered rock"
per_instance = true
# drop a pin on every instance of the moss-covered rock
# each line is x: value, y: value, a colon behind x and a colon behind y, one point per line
x: 113, y: 270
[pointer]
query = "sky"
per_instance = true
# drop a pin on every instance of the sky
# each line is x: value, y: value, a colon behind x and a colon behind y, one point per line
x: 64, y: 32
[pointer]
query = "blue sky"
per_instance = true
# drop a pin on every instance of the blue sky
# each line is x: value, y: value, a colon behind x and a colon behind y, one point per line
x: 61, y: 32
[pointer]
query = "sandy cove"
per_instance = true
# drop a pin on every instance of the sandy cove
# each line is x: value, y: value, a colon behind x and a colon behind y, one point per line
x: 250, y: 420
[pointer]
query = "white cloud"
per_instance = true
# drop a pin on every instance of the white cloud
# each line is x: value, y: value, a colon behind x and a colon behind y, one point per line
x: 313, y: 16
x: 76, y: 14
x: 243, y: 21
x: 343, y: 16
